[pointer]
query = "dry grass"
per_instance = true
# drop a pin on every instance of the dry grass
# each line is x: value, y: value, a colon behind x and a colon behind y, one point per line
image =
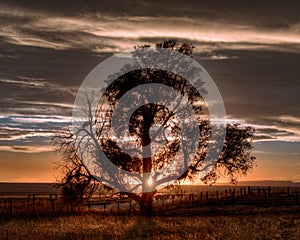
x: 225, y: 222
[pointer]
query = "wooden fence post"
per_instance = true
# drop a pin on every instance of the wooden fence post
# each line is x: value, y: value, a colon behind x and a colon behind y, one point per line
x: 233, y: 197
x: 265, y: 195
x: 201, y: 197
x: 249, y: 190
x: 33, y: 204
x: 10, y: 207
x: 217, y: 193
x: 32, y: 198
x: 53, y: 206
x: 297, y: 197
x: 288, y: 190
x: 269, y: 191
x: 52, y: 198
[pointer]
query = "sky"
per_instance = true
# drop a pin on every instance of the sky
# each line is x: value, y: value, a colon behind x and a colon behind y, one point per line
x: 251, y: 50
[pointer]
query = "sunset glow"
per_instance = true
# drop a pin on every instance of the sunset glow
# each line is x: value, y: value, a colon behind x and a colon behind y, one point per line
x: 252, y: 54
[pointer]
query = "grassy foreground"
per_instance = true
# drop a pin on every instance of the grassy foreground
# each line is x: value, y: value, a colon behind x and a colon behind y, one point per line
x: 239, y: 222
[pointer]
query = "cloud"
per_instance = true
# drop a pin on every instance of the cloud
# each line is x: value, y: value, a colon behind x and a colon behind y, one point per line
x: 93, y: 31
x: 277, y: 128
x: 20, y: 133
x: 25, y: 132
x: 289, y: 119
x: 50, y: 83
x: 283, y: 128
x: 35, y: 96
x: 296, y: 178
x: 38, y: 83
x: 27, y: 149
x: 11, y: 107
x: 133, y: 29
x: 49, y: 104
x: 31, y: 82
x: 295, y: 164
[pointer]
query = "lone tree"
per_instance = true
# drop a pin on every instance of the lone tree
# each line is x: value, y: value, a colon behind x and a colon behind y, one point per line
x: 155, y: 132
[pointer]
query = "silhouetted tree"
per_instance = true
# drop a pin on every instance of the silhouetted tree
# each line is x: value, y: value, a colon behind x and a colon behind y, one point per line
x: 235, y: 158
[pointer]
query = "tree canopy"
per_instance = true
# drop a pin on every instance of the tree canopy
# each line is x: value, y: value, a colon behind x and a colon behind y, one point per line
x: 155, y: 129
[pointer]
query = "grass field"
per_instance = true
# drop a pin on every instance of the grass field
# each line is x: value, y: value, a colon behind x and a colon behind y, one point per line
x: 261, y: 219
x: 226, y: 222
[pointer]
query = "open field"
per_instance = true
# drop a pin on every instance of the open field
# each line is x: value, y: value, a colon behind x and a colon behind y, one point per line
x: 37, y: 200
x: 227, y: 222
x: 219, y: 212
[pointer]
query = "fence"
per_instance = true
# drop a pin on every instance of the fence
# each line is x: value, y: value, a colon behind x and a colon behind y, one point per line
x: 52, y: 205
x: 31, y: 205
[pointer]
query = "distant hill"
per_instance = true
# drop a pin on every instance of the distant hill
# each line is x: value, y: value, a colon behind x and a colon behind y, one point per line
x: 7, y: 188
x: 270, y: 183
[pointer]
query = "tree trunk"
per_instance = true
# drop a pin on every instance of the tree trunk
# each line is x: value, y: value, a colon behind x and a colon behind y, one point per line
x: 146, y: 204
